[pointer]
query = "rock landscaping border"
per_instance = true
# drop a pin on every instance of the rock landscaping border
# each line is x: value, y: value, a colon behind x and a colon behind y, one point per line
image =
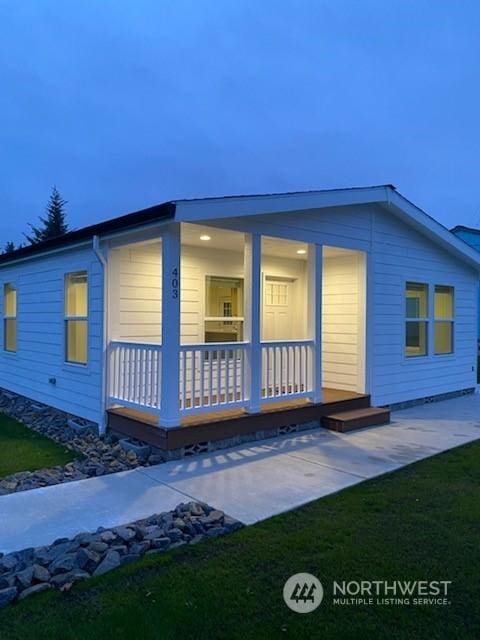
x: 66, y: 561
x: 99, y: 456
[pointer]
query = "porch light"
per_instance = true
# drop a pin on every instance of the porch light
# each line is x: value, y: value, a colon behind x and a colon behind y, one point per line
x: 301, y: 252
x: 205, y: 237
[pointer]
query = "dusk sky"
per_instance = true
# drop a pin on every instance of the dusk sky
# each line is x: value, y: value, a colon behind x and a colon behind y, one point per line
x: 124, y: 104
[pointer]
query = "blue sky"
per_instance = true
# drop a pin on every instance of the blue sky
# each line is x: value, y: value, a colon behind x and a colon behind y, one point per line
x: 127, y: 104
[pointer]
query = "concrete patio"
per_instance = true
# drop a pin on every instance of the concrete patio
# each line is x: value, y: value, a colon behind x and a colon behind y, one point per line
x: 250, y: 482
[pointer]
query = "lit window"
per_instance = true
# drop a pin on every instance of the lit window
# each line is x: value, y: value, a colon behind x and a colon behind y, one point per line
x: 9, y: 318
x: 276, y: 295
x: 76, y: 317
x: 416, y: 322
x: 223, y: 309
x: 444, y: 314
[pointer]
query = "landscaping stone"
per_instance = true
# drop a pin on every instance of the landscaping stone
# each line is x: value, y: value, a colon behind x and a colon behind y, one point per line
x: 36, y: 588
x: 25, y: 577
x: 97, y: 546
x: 60, y: 565
x: 8, y: 563
x: 111, y: 561
x: 101, y: 455
x: 125, y: 533
x: 87, y: 559
x: 40, y: 574
x: 7, y: 596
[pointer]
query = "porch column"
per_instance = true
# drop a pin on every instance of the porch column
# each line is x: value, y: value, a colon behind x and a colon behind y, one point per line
x: 315, y: 316
x: 252, y: 309
x: 170, y: 378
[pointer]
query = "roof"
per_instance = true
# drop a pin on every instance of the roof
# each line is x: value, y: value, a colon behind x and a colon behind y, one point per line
x: 203, y: 209
x: 461, y: 227
x: 159, y: 212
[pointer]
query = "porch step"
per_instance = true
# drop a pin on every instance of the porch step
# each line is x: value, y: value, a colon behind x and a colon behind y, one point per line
x: 356, y: 419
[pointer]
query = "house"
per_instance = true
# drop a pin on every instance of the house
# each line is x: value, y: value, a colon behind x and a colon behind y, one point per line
x: 202, y: 320
x: 471, y: 237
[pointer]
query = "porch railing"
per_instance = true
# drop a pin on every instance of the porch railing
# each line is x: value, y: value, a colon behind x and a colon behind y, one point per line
x: 212, y: 376
x: 134, y: 374
x: 287, y: 369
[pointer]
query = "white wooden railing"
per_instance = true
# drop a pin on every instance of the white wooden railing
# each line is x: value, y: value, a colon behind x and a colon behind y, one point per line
x: 134, y: 374
x: 287, y: 369
x: 212, y: 376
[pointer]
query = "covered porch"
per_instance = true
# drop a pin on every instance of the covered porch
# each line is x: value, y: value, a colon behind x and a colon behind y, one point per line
x: 209, y: 325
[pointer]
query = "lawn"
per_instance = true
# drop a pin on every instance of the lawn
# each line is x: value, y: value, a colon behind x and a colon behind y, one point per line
x: 21, y: 449
x: 422, y: 522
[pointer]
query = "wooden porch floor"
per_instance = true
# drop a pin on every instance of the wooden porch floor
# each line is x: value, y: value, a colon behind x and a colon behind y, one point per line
x: 225, y: 423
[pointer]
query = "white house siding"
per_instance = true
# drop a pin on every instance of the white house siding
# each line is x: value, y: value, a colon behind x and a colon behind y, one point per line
x: 136, y: 276
x: 397, y: 253
x: 343, y: 329
x: 40, y: 334
x: 136, y: 293
x: 197, y: 263
x: 401, y: 254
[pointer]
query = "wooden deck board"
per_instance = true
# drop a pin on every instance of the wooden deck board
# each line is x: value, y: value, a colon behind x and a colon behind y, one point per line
x: 225, y: 423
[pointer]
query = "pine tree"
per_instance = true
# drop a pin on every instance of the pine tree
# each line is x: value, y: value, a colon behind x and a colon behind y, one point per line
x: 9, y: 247
x: 54, y: 223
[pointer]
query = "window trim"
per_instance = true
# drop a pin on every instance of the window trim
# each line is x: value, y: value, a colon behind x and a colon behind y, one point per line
x: 231, y: 319
x: 430, y: 355
x: 10, y: 352
x: 425, y: 319
x: 450, y: 319
x: 80, y: 366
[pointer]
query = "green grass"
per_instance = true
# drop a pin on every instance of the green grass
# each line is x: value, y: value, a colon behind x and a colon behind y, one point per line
x: 422, y: 522
x: 21, y: 449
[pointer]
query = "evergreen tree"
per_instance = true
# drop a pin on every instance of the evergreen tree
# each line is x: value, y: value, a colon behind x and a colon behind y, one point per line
x: 9, y: 247
x: 54, y: 223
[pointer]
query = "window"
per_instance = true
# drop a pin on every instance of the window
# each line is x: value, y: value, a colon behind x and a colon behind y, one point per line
x: 416, y: 325
x: 418, y: 315
x: 223, y: 299
x: 443, y: 324
x: 76, y: 317
x: 9, y: 317
x: 276, y: 294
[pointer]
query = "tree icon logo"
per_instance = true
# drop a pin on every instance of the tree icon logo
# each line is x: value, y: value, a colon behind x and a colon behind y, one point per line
x: 303, y: 592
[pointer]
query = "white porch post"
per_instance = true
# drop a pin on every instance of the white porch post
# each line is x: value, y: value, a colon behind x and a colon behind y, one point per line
x: 252, y: 309
x: 315, y: 316
x: 170, y: 378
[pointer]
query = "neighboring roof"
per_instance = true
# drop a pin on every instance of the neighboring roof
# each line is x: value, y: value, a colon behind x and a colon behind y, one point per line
x: 461, y: 227
x: 203, y: 209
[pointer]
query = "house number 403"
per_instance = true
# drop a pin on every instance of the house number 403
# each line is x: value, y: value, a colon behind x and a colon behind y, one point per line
x: 175, y: 283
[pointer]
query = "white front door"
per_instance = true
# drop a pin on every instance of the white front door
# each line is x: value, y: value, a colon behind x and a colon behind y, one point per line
x: 278, y: 309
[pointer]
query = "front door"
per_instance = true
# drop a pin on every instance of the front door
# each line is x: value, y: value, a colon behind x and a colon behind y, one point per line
x: 278, y: 308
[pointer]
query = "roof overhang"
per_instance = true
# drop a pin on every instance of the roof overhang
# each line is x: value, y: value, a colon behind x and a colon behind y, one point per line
x: 204, y: 209
x: 422, y: 222
x: 386, y: 195
x: 235, y: 206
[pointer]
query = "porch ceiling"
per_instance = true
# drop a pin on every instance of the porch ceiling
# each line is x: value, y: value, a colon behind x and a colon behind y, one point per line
x: 227, y: 240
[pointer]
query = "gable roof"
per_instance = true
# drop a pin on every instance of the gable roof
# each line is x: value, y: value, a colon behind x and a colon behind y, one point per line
x: 202, y: 209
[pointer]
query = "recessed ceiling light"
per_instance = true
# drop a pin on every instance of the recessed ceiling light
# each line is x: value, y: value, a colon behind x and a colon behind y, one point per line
x: 301, y: 252
x: 205, y: 237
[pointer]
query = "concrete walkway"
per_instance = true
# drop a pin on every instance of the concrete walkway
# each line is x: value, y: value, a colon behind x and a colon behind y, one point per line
x: 249, y: 482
